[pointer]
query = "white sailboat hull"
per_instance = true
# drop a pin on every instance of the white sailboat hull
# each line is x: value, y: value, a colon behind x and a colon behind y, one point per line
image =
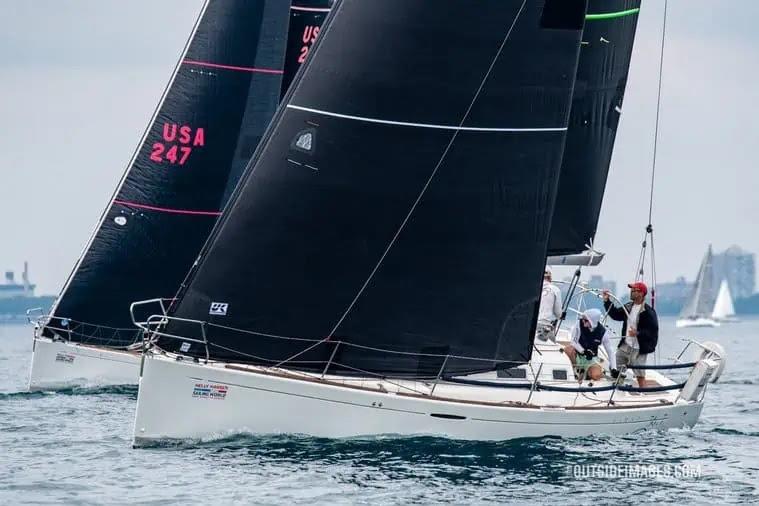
x: 187, y: 400
x: 696, y: 322
x: 59, y: 364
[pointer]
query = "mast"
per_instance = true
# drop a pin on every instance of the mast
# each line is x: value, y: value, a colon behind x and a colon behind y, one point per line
x: 602, y: 72
x: 219, y: 101
x: 401, y: 198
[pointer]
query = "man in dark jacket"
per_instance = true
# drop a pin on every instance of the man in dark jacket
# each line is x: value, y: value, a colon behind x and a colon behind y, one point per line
x: 640, y: 328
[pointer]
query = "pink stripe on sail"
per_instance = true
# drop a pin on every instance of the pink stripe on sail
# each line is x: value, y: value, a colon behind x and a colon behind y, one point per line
x: 233, y: 67
x: 167, y: 209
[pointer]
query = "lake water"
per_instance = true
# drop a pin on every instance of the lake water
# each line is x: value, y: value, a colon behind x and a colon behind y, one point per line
x: 73, y: 447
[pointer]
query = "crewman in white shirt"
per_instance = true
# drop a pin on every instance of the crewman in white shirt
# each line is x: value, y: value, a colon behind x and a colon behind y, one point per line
x: 550, y: 308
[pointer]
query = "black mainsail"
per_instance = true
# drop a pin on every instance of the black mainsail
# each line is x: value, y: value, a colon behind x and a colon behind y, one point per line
x: 401, y: 198
x: 596, y: 107
x: 220, y: 100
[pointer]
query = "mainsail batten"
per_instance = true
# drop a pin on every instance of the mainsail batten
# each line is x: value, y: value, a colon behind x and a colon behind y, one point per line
x: 420, y: 241
x: 219, y: 102
x: 596, y: 108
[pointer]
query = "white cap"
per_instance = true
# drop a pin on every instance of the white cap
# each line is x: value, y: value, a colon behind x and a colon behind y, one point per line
x: 548, y: 270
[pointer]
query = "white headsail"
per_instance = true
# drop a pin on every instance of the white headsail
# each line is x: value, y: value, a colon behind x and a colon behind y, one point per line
x: 723, y: 306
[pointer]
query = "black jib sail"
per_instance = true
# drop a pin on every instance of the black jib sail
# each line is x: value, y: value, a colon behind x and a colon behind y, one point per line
x: 401, y: 198
x: 596, y: 107
x: 211, y: 118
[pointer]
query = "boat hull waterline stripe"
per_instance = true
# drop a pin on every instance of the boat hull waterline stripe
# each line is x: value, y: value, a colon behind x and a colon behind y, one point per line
x: 233, y: 67
x: 423, y: 125
x: 167, y: 210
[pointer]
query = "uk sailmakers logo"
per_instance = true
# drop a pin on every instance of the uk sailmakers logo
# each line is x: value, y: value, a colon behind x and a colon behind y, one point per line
x: 218, y: 308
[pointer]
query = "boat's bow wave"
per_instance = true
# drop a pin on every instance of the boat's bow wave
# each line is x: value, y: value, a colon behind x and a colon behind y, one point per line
x: 128, y: 390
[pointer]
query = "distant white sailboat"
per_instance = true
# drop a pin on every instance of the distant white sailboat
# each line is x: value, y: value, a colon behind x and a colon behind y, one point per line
x: 698, y: 311
x: 724, y: 311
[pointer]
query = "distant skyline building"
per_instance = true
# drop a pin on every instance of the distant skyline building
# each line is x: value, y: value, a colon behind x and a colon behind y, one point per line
x: 671, y: 297
x: 737, y: 267
x: 595, y: 282
x: 11, y: 289
x: 599, y: 283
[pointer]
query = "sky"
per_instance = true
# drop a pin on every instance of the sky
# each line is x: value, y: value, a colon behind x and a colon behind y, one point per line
x: 79, y: 80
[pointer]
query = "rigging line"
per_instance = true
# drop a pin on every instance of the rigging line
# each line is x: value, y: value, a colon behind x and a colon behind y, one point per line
x: 434, y: 172
x: 641, y: 258
x: 658, y: 109
x: 233, y: 67
x: 657, y: 356
x: 170, y: 210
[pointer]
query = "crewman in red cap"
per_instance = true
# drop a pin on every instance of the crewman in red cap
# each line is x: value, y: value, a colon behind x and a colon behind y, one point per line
x: 640, y: 326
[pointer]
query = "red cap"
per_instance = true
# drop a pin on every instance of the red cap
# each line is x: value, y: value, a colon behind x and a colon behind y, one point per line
x: 640, y: 285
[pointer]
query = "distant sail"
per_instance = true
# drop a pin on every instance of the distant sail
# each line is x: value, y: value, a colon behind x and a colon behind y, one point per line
x: 701, y: 301
x: 214, y: 111
x: 402, y: 197
x: 596, y: 108
x: 723, y: 306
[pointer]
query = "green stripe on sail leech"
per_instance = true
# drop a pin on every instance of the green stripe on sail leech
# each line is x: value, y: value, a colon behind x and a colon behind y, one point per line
x: 611, y: 15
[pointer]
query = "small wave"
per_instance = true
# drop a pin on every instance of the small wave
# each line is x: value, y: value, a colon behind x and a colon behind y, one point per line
x: 734, y: 432
x: 130, y: 390
x: 23, y: 395
x: 739, y: 382
x: 548, y: 457
x: 379, y: 442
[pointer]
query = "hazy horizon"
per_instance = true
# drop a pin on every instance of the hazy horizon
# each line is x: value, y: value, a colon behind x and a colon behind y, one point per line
x: 82, y: 77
